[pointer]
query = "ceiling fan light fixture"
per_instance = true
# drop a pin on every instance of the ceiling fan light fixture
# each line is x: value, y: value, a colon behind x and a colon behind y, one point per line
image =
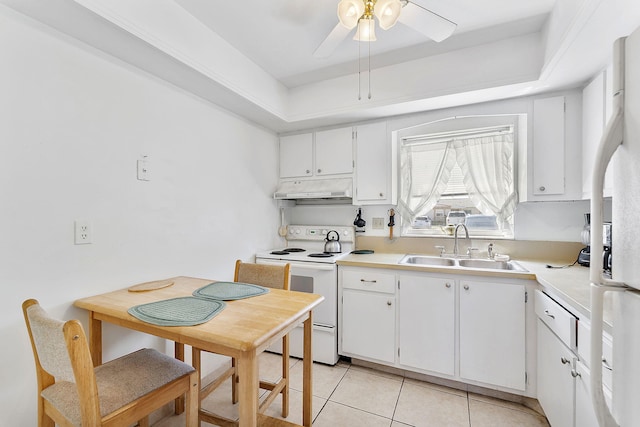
x: 349, y: 12
x: 387, y: 12
x: 366, y: 31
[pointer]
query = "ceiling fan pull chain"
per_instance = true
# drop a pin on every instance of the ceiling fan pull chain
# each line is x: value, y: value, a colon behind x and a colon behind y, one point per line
x: 359, y: 97
x: 369, y: 70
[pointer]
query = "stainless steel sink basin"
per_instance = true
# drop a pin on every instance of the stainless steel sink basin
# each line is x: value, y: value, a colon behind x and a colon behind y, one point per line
x: 490, y: 264
x: 479, y: 264
x: 427, y: 260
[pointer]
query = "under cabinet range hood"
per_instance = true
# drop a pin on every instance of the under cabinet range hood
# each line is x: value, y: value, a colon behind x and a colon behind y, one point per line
x: 314, y: 189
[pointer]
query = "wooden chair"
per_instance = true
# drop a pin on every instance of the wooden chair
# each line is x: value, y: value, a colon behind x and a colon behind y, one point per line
x: 71, y: 392
x: 270, y: 276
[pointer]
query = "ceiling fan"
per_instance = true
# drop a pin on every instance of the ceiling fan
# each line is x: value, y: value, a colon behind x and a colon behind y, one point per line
x: 363, y: 13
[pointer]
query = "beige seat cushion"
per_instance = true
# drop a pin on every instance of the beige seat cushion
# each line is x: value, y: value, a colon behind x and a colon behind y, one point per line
x: 120, y: 382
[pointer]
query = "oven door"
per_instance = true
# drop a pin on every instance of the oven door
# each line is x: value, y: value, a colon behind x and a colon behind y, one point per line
x: 314, y: 278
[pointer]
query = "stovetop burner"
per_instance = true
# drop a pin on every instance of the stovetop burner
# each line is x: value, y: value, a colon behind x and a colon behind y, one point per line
x: 321, y: 255
x: 287, y: 251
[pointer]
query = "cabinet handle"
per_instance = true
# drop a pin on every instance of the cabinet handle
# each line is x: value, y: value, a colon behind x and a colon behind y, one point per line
x: 549, y: 314
x: 542, y: 188
x: 308, y: 171
x: 575, y: 373
x: 319, y: 170
x: 466, y: 287
x: 389, y: 303
x: 368, y: 281
x: 606, y: 365
x: 381, y: 195
x: 448, y: 285
x: 564, y: 360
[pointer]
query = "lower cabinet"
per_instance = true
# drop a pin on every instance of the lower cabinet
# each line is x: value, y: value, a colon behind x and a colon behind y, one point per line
x: 368, y: 315
x: 427, y: 320
x: 556, y: 391
x: 493, y: 333
x: 445, y: 325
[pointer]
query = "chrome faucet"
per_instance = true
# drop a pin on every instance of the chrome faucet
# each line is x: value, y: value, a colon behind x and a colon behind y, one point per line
x: 455, y: 237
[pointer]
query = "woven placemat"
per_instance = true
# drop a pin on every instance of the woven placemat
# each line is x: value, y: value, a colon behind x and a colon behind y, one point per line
x: 228, y: 291
x: 182, y: 311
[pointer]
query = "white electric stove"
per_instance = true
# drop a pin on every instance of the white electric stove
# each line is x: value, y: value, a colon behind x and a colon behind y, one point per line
x: 314, y: 271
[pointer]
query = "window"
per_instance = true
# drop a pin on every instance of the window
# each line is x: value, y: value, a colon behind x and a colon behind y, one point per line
x: 458, y: 176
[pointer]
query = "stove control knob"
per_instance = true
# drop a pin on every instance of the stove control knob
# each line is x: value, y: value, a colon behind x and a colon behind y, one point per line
x: 297, y: 231
x: 345, y: 232
x: 324, y: 232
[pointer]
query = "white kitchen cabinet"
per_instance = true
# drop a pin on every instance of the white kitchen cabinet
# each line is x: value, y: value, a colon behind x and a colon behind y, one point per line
x: 328, y: 152
x: 427, y: 319
x: 585, y: 415
x: 334, y: 152
x: 594, y: 117
x: 368, y: 315
x: 375, y: 168
x: 549, y: 146
x: 492, y: 333
x: 556, y: 390
x: 296, y: 155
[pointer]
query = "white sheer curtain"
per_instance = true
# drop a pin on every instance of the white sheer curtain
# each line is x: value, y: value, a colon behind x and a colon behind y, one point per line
x: 424, y: 172
x: 487, y: 164
x: 486, y: 159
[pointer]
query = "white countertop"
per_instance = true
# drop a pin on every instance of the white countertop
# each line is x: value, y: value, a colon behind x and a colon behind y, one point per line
x: 570, y: 285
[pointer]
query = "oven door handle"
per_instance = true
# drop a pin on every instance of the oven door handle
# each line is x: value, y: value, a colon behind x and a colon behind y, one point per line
x: 301, y: 265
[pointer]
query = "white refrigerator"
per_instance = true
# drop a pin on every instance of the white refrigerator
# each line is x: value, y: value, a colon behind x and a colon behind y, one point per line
x: 622, y: 136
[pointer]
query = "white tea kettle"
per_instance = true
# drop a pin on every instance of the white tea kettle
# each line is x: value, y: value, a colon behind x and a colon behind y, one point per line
x: 332, y: 246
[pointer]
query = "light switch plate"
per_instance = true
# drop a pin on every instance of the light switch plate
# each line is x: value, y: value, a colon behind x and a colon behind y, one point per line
x: 377, y: 223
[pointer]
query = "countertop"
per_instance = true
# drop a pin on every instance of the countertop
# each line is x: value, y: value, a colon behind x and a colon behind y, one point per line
x: 567, y: 285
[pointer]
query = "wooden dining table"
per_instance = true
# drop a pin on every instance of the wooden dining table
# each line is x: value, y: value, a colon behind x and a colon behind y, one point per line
x: 243, y: 329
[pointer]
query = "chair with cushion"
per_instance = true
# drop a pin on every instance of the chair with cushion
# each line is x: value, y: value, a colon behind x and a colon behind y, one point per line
x: 71, y: 392
x: 270, y: 276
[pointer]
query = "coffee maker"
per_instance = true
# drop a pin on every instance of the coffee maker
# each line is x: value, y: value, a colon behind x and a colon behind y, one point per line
x: 606, y: 244
x: 585, y: 253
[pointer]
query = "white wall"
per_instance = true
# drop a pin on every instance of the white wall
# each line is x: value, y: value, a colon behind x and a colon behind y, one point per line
x: 73, y: 123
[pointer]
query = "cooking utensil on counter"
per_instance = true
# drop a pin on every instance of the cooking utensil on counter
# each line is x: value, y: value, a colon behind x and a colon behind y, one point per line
x: 332, y: 245
x: 282, y: 231
x: 392, y: 222
x: 359, y: 222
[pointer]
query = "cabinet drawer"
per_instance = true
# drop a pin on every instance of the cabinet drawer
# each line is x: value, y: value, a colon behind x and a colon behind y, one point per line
x: 560, y: 321
x: 369, y: 281
x: 584, y: 351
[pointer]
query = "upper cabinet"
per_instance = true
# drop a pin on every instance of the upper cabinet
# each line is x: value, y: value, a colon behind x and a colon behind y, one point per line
x: 296, y: 155
x: 595, y: 99
x: 322, y: 153
x: 550, y: 168
x: 375, y: 166
x: 548, y: 146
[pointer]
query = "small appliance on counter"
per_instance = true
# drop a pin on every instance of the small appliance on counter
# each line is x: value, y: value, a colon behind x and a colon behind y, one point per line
x: 585, y: 253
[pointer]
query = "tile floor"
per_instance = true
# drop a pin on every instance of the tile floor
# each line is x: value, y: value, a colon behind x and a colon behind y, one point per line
x: 353, y: 396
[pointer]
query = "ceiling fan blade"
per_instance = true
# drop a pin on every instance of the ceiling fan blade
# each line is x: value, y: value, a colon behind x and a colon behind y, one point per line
x: 332, y: 41
x: 428, y: 23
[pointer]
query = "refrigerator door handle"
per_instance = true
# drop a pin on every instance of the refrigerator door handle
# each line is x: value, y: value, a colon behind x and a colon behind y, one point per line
x: 611, y: 140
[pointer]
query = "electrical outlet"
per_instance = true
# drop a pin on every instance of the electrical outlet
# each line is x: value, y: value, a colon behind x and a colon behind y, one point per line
x: 83, y: 234
x: 377, y: 223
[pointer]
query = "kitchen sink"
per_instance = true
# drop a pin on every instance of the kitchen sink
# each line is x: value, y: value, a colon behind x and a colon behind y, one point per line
x: 427, y: 260
x: 490, y: 264
x: 478, y: 264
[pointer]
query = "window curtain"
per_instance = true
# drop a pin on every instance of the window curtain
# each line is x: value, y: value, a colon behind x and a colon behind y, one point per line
x: 425, y: 171
x: 488, y: 167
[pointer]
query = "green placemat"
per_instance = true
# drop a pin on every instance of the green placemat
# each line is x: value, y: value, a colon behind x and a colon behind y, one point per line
x: 228, y: 291
x: 183, y: 311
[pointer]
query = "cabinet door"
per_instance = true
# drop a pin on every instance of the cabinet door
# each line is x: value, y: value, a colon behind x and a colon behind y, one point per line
x: 368, y: 325
x: 373, y: 165
x: 427, y: 323
x: 334, y: 151
x: 492, y: 333
x: 556, y: 391
x: 296, y: 155
x: 548, y: 146
x: 585, y: 412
